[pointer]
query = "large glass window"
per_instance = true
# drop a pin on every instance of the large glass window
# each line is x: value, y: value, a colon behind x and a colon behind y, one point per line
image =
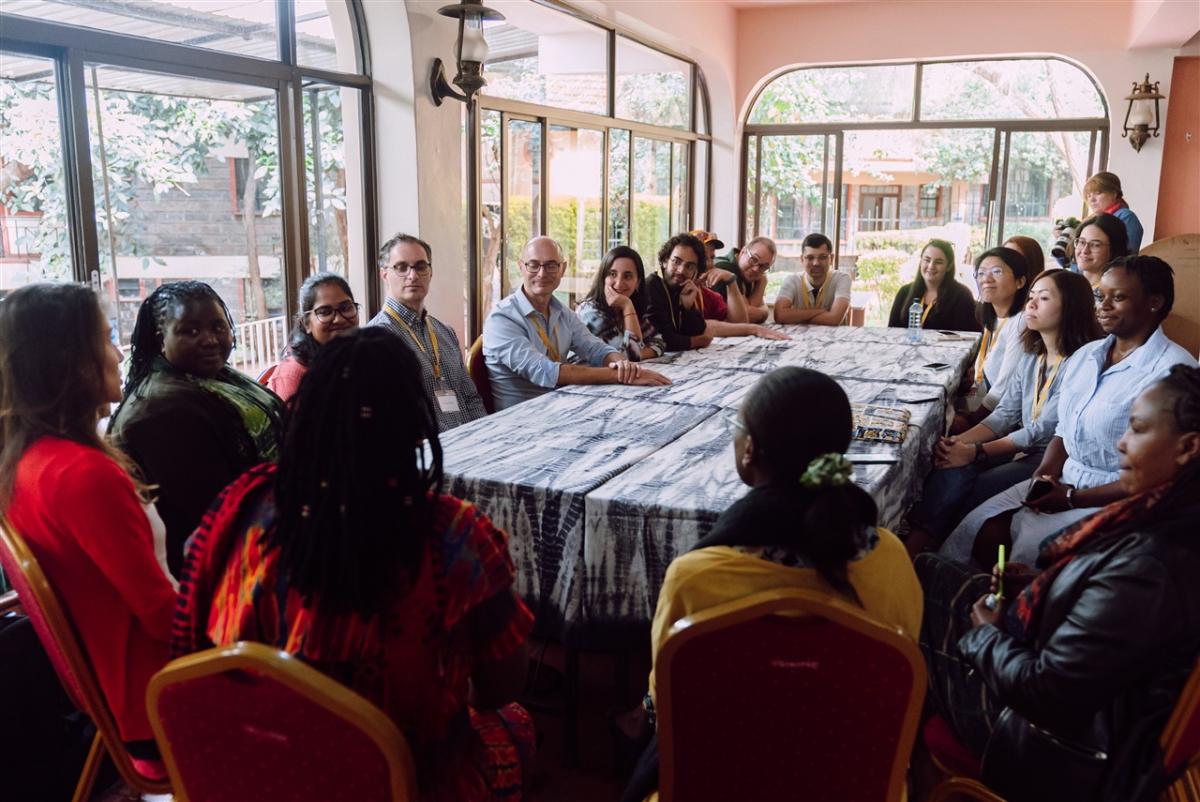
x: 883, y: 186
x: 559, y: 156
x: 248, y: 27
x: 652, y: 87
x: 34, y: 242
x: 174, y: 156
x: 540, y: 55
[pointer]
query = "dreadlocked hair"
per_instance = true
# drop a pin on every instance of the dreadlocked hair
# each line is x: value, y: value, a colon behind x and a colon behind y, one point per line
x: 52, y: 365
x: 359, y: 474
x: 830, y: 519
x: 160, y: 308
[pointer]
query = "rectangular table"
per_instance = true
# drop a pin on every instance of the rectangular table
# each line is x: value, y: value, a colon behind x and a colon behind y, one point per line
x: 599, y: 487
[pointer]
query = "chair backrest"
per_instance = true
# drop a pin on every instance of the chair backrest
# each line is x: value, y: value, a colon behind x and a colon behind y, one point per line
x: 66, y: 652
x: 1182, y: 253
x: 1181, y: 737
x: 248, y: 722
x: 267, y: 373
x: 784, y: 694
x: 479, y: 374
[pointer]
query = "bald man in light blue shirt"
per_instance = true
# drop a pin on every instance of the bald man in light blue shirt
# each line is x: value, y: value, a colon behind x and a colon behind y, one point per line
x: 529, y: 333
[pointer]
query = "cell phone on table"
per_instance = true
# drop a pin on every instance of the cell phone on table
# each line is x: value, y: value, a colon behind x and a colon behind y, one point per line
x: 936, y: 366
x: 1039, y: 488
x: 946, y: 333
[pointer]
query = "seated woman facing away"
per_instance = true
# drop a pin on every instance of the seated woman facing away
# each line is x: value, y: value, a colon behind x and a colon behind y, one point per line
x: 347, y: 556
x: 190, y: 422
x: 945, y: 304
x: 805, y: 524
x: 1064, y: 692
x: 1002, y: 276
x: 71, y: 497
x: 1007, y: 446
x: 1080, y: 468
x: 327, y: 309
x: 615, y: 308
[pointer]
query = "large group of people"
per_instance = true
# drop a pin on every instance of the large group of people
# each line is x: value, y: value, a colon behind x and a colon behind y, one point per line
x: 298, y: 513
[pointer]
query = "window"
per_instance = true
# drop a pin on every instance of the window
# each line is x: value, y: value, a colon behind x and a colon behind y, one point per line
x: 543, y: 56
x: 984, y: 150
x: 175, y: 165
x: 929, y: 202
x: 34, y: 242
x: 559, y: 156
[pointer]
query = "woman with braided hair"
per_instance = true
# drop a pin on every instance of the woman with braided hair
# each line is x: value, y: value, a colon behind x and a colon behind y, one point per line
x: 190, y: 422
x: 1065, y: 691
x: 804, y: 524
x: 348, y: 556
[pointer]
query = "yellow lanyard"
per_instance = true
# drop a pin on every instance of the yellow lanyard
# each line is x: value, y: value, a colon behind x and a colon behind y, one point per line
x: 985, y: 345
x: 809, y: 303
x: 551, y: 347
x: 1041, y: 390
x: 671, y: 304
x: 433, y: 340
x: 925, y: 312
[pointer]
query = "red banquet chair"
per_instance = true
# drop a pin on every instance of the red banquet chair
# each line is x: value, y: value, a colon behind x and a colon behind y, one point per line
x: 74, y: 669
x: 786, y: 694
x: 479, y: 374
x: 246, y: 723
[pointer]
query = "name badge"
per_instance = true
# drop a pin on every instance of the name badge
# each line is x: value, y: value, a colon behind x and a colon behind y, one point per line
x: 447, y: 401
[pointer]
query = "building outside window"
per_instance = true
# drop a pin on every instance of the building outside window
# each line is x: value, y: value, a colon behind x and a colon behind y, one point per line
x: 984, y: 150
x: 162, y: 172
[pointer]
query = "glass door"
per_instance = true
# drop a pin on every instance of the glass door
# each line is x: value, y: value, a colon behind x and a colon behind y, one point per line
x: 576, y: 195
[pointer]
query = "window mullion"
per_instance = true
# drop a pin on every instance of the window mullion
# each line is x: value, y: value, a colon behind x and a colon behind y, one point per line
x: 77, y: 167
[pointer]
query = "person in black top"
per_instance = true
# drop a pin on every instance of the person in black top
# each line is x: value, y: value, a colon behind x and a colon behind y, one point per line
x: 1065, y: 691
x: 674, y: 296
x: 946, y: 304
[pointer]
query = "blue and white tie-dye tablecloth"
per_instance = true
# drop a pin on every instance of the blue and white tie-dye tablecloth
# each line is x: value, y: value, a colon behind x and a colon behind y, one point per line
x: 601, y: 486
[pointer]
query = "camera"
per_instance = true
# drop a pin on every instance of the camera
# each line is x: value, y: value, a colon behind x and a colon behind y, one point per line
x: 1062, y: 244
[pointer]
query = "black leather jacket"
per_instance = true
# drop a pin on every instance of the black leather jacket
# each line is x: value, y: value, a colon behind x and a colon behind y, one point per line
x: 1118, y: 637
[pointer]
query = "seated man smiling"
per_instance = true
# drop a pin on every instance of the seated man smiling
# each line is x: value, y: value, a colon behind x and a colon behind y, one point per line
x: 529, y: 333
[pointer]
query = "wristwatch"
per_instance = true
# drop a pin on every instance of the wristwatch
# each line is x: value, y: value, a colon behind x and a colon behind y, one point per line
x: 1070, y: 498
x: 980, y: 454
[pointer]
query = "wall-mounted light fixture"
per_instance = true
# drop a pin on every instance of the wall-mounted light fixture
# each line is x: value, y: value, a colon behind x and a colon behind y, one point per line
x: 1141, y: 119
x: 471, y: 50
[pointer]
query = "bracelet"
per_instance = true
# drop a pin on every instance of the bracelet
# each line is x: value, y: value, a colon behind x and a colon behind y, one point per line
x: 1070, y: 498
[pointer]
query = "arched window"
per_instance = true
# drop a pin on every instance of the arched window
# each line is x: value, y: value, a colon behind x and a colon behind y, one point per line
x: 150, y: 142
x: 587, y: 135
x: 883, y: 157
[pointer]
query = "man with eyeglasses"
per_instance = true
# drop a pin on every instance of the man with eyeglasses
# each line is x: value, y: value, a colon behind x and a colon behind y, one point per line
x: 405, y: 265
x: 529, y: 334
x: 749, y: 266
x: 820, y: 295
x: 678, y: 291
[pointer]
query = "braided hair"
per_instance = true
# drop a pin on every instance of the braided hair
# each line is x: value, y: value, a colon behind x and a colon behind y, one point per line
x: 359, y: 474
x: 160, y: 308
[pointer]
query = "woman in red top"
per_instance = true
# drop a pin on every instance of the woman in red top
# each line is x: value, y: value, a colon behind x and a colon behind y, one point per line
x: 347, y: 556
x: 327, y: 310
x: 72, y: 499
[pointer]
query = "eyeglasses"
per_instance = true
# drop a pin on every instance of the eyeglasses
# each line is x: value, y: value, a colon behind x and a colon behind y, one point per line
x: 1090, y: 244
x: 756, y: 262
x: 677, y: 263
x: 421, y: 268
x: 984, y: 272
x: 816, y: 258
x: 549, y: 268
x: 347, y: 309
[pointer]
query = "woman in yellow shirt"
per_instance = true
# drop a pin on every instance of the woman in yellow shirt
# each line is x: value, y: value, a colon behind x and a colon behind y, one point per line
x: 804, y: 524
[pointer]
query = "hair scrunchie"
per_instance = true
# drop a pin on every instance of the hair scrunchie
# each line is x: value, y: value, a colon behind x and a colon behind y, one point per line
x: 827, y: 470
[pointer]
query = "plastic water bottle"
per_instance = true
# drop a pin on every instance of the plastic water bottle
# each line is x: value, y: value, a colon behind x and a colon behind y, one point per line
x: 914, y: 321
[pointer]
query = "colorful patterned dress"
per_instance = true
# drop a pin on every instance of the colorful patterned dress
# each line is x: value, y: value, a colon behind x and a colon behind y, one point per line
x: 414, y: 660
